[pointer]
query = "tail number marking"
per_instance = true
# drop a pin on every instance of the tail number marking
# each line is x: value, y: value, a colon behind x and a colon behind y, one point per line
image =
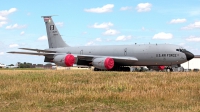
x: 51, y: 27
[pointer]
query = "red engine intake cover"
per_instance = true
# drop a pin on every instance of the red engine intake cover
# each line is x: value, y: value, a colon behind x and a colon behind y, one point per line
x: 161, y: 67
x: 109, y: 63
x: 69, y: 60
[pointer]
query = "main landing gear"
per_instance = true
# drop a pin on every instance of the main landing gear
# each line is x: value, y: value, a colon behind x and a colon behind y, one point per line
x: 169, y: 69
x: 116, y: 68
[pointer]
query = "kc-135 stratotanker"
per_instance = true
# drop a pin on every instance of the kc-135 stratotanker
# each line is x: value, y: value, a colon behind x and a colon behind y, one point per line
x: 109, y: 57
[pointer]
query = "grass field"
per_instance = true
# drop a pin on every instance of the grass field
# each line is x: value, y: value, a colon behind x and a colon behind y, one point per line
x: 84, y: 90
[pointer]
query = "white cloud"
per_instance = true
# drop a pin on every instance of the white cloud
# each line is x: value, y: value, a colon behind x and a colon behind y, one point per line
x: 163, y: 35
x: 3, y: 14
x: 192, y: 26
x: 59, y: 24
x: 22, y: 33
x: 125, y: 8
x: 93, y: 42
x: 123, y: 37
x: 193, y: 38
x: 143, y: 28
x: 194, y: 12
x: 28, y: 14
x: 102, y: 25
x: 3, y: 18
x: 2, y: 23
x: 84, y: 33
x: 105, y: 8
x: 42, y: 38
x: 15, y: 26
x: 143, y: 7
x: 13, y: 45
x: 110, y: 32
x: 181, y: 44
x: 98, y: 39
x: 1, y: 53
x: 173, y: 21
x: 108, y: 39
x: 90, y: 43
x: 7, y: 12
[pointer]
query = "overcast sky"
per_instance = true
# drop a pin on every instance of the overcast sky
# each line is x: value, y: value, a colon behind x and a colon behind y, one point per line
x: 102, y: 22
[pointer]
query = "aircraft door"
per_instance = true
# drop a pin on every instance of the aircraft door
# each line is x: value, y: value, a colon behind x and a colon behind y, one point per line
x: 81, y: 52
x: 125, y: 51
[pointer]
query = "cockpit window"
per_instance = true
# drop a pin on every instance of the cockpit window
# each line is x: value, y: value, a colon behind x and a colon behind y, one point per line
x: 181, y: 50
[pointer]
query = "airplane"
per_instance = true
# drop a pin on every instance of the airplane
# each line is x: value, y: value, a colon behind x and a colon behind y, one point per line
x: 2, y: 66
x: 108, y: 57
x: 8, y: 66
x: 11, y: 66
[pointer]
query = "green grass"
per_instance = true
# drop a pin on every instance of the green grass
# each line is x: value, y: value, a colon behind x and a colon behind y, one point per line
x: 21, y: 69
x: 84, y: 90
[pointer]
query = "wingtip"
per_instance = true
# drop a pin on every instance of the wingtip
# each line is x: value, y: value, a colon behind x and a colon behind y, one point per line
x: 25, y: 48
x: 21, y: 48
x: 10, y: 52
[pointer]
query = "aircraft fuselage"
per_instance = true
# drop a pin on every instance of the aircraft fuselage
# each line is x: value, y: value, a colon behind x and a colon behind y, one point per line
x: 147, y: 54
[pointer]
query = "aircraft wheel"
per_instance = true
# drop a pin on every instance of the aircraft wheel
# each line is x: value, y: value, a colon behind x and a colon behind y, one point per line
x: 171, y: 70
x: 96, y: 69
x: 168, y: 70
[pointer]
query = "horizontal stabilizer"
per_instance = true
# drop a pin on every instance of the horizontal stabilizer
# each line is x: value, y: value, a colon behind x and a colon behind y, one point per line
x: 38, y: 50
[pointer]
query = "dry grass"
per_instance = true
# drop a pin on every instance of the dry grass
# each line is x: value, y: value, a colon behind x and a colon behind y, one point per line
x: 83, y: 90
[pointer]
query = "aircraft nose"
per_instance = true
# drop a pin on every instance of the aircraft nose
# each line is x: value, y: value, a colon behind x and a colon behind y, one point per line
x: 189, y: 55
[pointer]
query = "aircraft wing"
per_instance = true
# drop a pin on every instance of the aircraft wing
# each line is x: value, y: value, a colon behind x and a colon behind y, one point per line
x: 32, y: 53
x: 120, y: 60
x: 123, y: 59
x: 38, y: 50
x: 116, y: 59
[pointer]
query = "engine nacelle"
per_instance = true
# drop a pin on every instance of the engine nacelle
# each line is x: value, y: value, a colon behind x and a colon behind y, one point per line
x: 161, y: 67
x: 157, y: 68
x: 103, y: 63
x: 64, y: 60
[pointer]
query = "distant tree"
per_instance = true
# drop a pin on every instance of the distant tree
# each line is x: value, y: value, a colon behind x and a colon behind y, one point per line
x: 21, y: 65
x: 25, y: 65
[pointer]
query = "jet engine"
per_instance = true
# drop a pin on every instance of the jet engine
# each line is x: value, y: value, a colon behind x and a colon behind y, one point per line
x: 157, y: 68
x: 64, y: 60
x: 103, y: 63
x: 161, y: 67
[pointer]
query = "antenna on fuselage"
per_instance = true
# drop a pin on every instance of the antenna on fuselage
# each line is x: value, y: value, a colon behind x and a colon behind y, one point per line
x: 48, y: 16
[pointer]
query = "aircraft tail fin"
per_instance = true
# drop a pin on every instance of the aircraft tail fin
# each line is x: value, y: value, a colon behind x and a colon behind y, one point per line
x: 54, y: 38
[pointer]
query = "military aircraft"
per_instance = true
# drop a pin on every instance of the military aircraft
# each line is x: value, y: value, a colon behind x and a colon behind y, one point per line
x: 109, y: 57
